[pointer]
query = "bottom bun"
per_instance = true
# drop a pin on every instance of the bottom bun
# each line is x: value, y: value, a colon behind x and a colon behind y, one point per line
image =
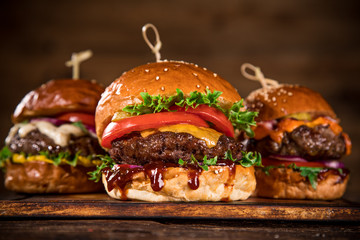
x: 289, y: 184
x: 42, y: 177
x: 216, y: 184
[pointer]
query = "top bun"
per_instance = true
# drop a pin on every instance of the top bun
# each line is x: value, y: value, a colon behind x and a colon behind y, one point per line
x: 59, y: 96
x: 159, y: 78
x: 277, y: 102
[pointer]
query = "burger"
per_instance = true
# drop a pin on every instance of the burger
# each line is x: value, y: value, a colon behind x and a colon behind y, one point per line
x: 52, y: 145
x: 302, y: 143
x: 170, y: 128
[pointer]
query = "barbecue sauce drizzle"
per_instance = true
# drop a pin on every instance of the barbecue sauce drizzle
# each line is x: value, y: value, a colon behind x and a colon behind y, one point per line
x: 123, y: 174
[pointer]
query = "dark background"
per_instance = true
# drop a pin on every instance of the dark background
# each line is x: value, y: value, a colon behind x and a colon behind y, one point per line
x: 313, y: 43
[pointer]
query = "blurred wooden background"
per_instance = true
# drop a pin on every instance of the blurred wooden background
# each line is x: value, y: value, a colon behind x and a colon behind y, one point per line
x: 314, y: 43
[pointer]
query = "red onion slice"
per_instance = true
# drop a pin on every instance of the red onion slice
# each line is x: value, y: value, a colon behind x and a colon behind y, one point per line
x: 327, y: 163
x: 54, y: 121
x: 288, y: 158
x: 117, y: 166
x: 333, y: 164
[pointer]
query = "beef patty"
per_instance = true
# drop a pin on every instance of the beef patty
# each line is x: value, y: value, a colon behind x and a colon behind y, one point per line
x: 169, y: 147
x: 35, y: 142
x: 318, y: 143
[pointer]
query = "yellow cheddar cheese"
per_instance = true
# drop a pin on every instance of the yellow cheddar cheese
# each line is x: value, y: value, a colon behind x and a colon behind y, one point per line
x: 210, y: 136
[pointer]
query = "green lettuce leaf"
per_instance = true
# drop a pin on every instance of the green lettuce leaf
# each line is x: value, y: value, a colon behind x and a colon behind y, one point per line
x: 242, y: 120
x: 311, y: 173
x: 5, y: 154
x: 106, y: 162
x: 248, y: 159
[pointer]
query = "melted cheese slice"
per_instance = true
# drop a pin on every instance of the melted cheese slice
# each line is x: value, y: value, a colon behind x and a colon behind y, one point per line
x: 84, y: 161
x: 60, y: 135
x: 210, y: 136
x: 288, y: 125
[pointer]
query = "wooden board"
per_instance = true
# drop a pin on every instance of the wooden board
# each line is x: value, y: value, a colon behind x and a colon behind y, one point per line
x: 102, y: 206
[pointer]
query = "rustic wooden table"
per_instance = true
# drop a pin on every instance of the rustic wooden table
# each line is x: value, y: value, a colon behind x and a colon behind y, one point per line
x: 96, y: 216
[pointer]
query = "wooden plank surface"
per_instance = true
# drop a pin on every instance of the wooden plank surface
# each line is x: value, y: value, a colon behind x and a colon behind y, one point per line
x: 102, y: 206
x: 175, y: 229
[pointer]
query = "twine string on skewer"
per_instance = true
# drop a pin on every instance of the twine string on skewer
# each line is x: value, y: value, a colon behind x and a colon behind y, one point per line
x: 258, y: 76
x: 154, y: 48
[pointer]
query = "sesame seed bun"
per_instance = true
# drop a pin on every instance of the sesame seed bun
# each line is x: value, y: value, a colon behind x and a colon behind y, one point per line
x: 277, y: 102
x: 161, y: 78
x: 59, y: 96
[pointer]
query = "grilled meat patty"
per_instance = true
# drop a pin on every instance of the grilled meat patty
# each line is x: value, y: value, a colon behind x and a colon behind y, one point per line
x: 318, y: 143
x: 169, y: 147
x: 35, y: 142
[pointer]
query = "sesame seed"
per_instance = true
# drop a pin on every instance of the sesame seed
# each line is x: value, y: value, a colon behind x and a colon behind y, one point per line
x: 162, y: 88
x: 205, y: 69
x: 147, y: 70
x: 274, y: 99
x: 166, y: 69
x: 157, y: 78
x: 215, y: 74
x: 195, y: 74
x: 196, y: 65
x: 290, y: 94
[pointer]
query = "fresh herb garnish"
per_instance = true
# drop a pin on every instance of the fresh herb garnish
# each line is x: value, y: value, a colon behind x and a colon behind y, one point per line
x: 80, y: 125
x: 249, y: 159
x: 242, y: 120
x: 311, y: 173
x: 106, y: 162
x: 5, y: 154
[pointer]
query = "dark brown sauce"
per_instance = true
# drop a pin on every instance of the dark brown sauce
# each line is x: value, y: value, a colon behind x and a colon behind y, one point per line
x: 121, y: 175
x: 155, y: 171
x: 342, y: 174
x: 193, y: 176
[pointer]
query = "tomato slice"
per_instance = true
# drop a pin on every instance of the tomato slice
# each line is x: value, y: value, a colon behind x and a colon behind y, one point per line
x: 139, y: 123
x: 210, y: 114
x: 85, y: 118
x: 272, y: 162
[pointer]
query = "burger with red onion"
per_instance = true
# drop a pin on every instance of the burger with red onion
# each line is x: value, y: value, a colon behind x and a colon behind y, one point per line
x: 52, y: 145
x: 170, y: 128
x: 302, y: 143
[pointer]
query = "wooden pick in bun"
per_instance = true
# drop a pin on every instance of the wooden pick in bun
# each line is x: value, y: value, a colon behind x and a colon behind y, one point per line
x: 300, y: 140
x: 52, y: 145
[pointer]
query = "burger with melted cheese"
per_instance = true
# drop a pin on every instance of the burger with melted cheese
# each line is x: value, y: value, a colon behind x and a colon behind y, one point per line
x: 52, y: 145
x: 302, y: 143
x: 170, y: 130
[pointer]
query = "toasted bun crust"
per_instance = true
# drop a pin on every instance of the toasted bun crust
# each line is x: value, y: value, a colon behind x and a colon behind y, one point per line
x: 289, y: 184
x: 59, y: 96
x: 216, y: 184
x: 42, y: 177
x: 277, y: 102
x: 159, y: 78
